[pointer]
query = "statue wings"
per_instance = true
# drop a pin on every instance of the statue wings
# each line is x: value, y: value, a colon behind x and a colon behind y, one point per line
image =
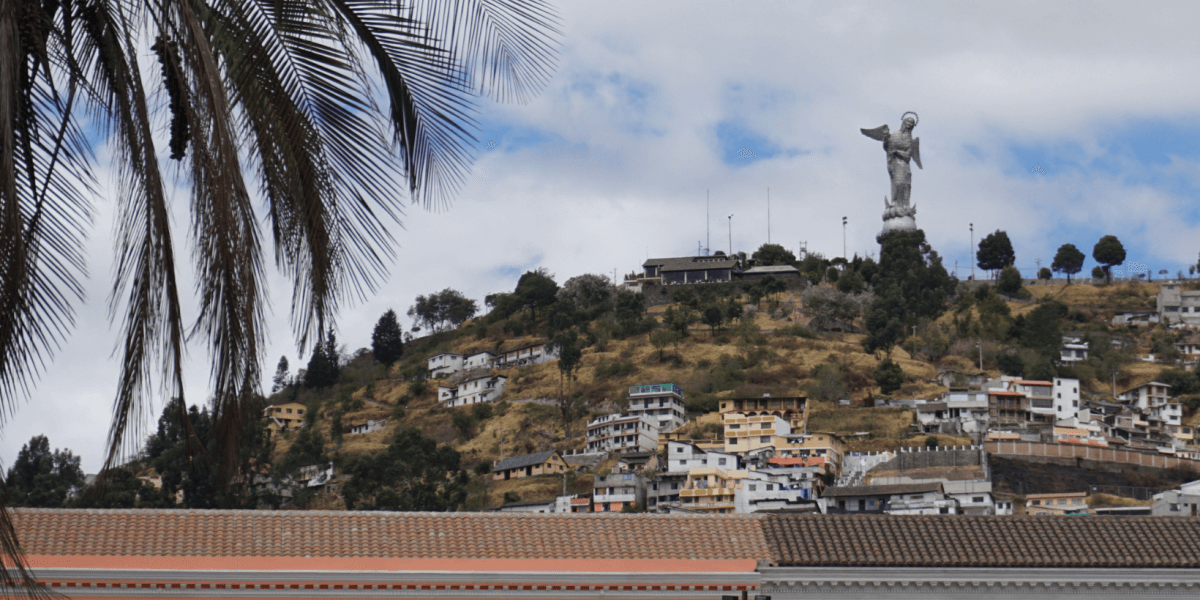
x: 916, y: 152
x: 879, y: 133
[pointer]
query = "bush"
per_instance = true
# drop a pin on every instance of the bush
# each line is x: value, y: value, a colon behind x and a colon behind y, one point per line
x: 1098, y: 272
x: 510, y: 497
x: 483, y: 467
x: 888, y: 376
x: 931, y: 442
x: 464, y: 424
x: 799, y: 331
x: 615, y: 368
x: 1010, y: 281
x: 1010, y: 364
x: 481, y: 411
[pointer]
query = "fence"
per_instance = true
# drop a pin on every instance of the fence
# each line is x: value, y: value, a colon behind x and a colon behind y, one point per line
x: 1069, y: 451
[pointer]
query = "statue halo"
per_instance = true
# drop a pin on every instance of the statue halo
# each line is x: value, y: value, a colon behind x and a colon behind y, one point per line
x: 916, y: 119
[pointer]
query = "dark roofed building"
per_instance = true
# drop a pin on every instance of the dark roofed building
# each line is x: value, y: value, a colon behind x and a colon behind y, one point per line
x: 528, y: 465
x: 690, y: 269
x: 927, y: 498
x: 776, y: 271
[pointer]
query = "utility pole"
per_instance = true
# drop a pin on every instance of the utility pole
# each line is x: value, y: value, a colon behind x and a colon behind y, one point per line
x: 844, y: 238
x: 768, y: 215
x: 731, y: 235
x: 707, y: 224
x: 980, y: 344
x: 972, y: 252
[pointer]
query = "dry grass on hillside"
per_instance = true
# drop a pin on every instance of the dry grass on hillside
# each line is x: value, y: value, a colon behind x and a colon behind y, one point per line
x: 1105, y: 500
x: 1115, y: 296
x: 881, y: 422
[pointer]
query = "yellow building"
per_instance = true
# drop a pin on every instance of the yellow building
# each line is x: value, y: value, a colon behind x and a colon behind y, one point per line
x: 825, y: 444
x: 528, y: 465
x: 711, y: 490
x: 289, y: 415
x: 744, y: 433
x: 793, y: 409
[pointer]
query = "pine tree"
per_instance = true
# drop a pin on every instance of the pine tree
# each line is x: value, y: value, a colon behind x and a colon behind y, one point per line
x: 281, y: 375
x: 387, y: 341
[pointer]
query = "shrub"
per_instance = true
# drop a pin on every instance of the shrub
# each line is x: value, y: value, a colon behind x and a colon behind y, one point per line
x: 481, y: 411
x: 888, y: 376
x: 931, y: 442
x: 510, y: 497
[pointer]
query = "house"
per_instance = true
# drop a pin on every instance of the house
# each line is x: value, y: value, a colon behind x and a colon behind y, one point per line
x: 776, y: 489
x: 533, y: 506
x: 1183, y: 502
x: 283, y: 417
x: 1074, y: 503
x: 663, y: 402
x: 368, y: 427
x: 525, y: 355
x: 1139, y: 318
x: 744, y: 433
x: 1153, y: 401
x: 1074, y: 349
x: 474, y: 390
x: 528, y: 465
x: 711, y: 490
x: 1176, y: 305
x: 776, y: 271
x: 479, y: 360
x: 637, y: 461
x: 446, y: 363
x: 683, y: 457
x: 690, y: 269
x: 1189, y: 346
x: 958, y: 411
x: 622, y: 433
x: 1066, y: 400
x: 615, y: 491
x: 901, y: 499
x: 793, y: 409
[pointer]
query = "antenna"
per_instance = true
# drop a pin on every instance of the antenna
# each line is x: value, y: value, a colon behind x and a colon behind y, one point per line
x: 707, y: 224
x: 768, y: 214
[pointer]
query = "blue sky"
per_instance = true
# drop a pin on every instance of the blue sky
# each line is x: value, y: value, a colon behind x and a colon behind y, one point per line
x: 652, y: 102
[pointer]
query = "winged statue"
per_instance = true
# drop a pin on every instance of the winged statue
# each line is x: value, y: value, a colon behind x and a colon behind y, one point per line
x: 900, y: 147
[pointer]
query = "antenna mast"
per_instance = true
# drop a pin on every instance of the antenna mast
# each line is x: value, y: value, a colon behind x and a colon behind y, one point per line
x: 707, y: 224
x: 768, y: 214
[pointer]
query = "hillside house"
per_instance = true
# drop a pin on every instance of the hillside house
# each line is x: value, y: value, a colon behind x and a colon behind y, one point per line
x: 475, y: 390
x: 446, y: 363
x: 777, y: 271
x: 793, y: 409
x: 776, y: 489
x: 1074, y: 503
x: 1183, y: 502
x: 1067, y: 401
x: 744, y: 433
x: 479, y: 360
x: 1138, y: 318
x: 622, y: 433
x: 711, y: 490
x: 631, y: 462
x: 900, y: 499
x: 1153, y: 400
x: 958, y: 411
x: 1074, y: 349
x: 615, y: 491
x: 1189, y: 346
x: 663, y: 402
x: 683, y: 457
x: 368, y: 427
x: 289, y: 415
x: 690, y: 269
x: 548, y: 462
x: 1177, y: 305
x: 525, y: 355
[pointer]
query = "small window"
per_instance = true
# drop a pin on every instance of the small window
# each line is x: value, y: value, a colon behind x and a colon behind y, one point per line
x: 753, y: 488
x: 766, y: 439
x: 289, y: 411
x: 977, y: 499
x: 720, y: 461
x: 944, y: 510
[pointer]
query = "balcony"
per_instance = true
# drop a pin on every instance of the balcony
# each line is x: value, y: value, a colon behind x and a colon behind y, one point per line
x: 606, y: 498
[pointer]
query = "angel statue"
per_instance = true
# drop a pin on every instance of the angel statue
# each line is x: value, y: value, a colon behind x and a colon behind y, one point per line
x: 900, y: 147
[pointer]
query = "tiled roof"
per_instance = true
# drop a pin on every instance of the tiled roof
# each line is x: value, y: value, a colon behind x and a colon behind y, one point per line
x: 976, y: 541
x: 64, y: 532
x: 525, y: 460
x: 881, y: 490
x: 688, y: 263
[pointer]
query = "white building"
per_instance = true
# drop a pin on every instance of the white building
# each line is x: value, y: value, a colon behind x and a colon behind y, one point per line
x: 446, y: 363
x: 762, y: 490
x: 1066, y: 400
x: 525, y: 355
x: 368, y: 427
x: 1183, y: 502
x: 484, y: 388
x: 1178, y: 305
x: 617, y: 433
x: 1153, y: 400
x: 1074, y: 349
x: 683, y: 457
x: 662, y: 401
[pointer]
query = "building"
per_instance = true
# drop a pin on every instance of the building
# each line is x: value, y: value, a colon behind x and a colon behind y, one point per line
x: 793, y: 409
x: 616, y: 491
x: 446, y: 363
x: 1176, y: 305
x: 528, y: 465
x: 1153, y: 401
x: 286, y: 416
x: 1074, y: 503
x: 776, y: 271
x: 690, y: 269
x: 474, y: 390
x: 525, y: 355
x: 1137, y: 318
x: 368, y: 427
x: 776, y: 489
x: 663, y: 402
x: 479, y: 360
x: 1189, y: 346
x: 902, y: 499
x: 1066, y: 400
x: 358, y: 555
x: 1182, y: 502
x: 618, y: 433
x: 1074, y: 349
x: 744, y: 433
x: 683, y: 457
x: 711, y: 490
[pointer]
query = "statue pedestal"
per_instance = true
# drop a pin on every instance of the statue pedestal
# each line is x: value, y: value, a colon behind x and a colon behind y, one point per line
x: 898, y: 223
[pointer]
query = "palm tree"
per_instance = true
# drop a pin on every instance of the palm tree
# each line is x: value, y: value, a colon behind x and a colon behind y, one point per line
x: 269, y: 96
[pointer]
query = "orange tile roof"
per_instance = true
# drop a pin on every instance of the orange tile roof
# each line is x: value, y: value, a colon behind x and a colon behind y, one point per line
x: 387, y: 534
x: 789, y: 461
x: 1031, y: 382
x: 1004, y: 393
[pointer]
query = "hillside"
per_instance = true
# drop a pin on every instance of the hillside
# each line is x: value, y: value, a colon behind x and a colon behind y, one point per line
x: 763, y: 354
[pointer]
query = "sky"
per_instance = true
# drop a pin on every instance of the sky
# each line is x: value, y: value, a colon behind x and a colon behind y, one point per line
x: 1055, y: 122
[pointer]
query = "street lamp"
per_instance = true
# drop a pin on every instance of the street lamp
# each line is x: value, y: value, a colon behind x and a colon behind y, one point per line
x: 843, y: 238
x: 731, y: 235
x: 972, y: 252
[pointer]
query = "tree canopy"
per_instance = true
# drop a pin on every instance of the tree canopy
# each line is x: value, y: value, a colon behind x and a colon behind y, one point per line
x: 413, y: 474
x: 1108, y: 252
x: 447, y: 307
x: 324, y: 368
x: 772, y: 254
x: 995, y: 252
x: 910, y: 286
x: 41, y: 478
x: 387, y: 341
x: 1068, y: 260
x: 536, y: 289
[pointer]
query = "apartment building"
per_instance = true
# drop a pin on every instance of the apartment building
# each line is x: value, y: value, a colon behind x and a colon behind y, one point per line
x: 793, y: 409
x: 1177, y: 305
x: 622, y: 433
x: 474, y: 390
x: 663, y: 402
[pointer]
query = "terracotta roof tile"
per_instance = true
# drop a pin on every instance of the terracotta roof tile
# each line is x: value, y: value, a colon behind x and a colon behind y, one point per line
x: 387, y: 534
x: 977, y: 541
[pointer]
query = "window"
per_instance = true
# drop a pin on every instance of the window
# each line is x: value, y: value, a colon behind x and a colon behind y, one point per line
x: 977, y: 499
x: 278, y: 410
x: 289, y: 411
x: 300, y: 411
x: 732, y: 441
x: 770, y: 487
x: 766, y: 439
x: 944, y: 510
x: 720, y: 461
x: 753, y: 488
x: 735, y: 426
x: 674, y: 486
x: 1174, y: 507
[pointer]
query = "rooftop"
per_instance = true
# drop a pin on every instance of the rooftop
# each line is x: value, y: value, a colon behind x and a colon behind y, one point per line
x: 881, y: 490
x: 525, y: 460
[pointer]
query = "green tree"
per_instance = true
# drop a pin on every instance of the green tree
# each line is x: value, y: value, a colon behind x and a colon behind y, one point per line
x: 850, y: 282
x: 121, y: 489
x: 1043, y: 329
x: 282, y: 376
x: 911, y: 286
x: 1045, y: 274
x: 629, y: 311
x: 1010, y: 281
x: 535, y: 290
x: 589, y: 293
x: 1068, y: 260
x: 661, y: 338
x: 931, y: 442
x: 1108, y: 252
x: 1098, y: 272
x: 40, y: 478
x: 772, y: 254
x: 569, y: 349
x: 387, y: 341
x: 829, y: 383
x: 888, y: 376
x: 437, y: 310
x: 679, y: 318
x: 995, y: 252
x: 324, y: 368
x: 831, y: 275
x: 413, y: 474
x: 713, y: 316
